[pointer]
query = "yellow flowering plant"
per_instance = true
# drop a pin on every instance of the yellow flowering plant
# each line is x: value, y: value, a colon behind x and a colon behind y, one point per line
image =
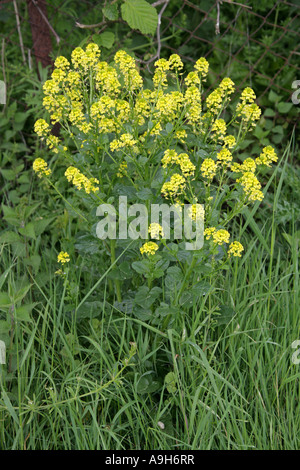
x: 171, y: 143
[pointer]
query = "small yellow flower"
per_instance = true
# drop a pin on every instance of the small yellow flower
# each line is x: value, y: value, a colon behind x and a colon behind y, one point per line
x: 122, y: 170
x: 41, y: 127
x: 220, y: 236
x: 251, y: 186
x: 173, y: 187
x: 63, y: 257
x: 219, y: 129
x: 202, y: 66
x: 156, y: 230
x: 181, y: 135
x: 208, y: 168
x: 196, y: 212
x: 208, y: 232
x: 149, y: 248
x: 235, y: 249
x: 224, y: 156
x: 192, y: 79
x: 229, y: 141
x: 41, y: 167
x: 267, y: 157
x: 175, y: 62
x: 248, y: 96
x: 226, y: 86
x: 80, y: 181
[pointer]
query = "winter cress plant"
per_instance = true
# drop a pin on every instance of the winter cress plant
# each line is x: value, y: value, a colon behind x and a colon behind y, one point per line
x: 159, y: 145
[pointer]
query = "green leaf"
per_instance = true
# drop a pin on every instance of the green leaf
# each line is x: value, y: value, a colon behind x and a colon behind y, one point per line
x: 28, y: 230
x: 23, y: 313
x: 21, y: 293
x: 273, y: 97
x: 170, y: 381
x: 141, y: 267
x: 145, y: 194
x: 105, y: 39
x: 269, y: 112
x: 111, y: 12
x: 9, y: 237
x: 41, y: 225
x: 5, y: 327
x: 122, y: 272
x: 143, y: 314
x: 164, y: 310
x: 284, y: 107
x: 148, y: 383
x: 173, y: 279
x: 146, y: 298
x: 140, y: 15
x: 226, y: 315
x: 8, y: 175
x: 5, y: 300
x: 89, y: 310
x: 10, y: 215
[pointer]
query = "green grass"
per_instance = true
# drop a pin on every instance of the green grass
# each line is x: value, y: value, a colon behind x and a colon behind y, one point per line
x: 67, y: 385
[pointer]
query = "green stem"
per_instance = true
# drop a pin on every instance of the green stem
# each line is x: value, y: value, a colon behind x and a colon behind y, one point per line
x: 113, y: 259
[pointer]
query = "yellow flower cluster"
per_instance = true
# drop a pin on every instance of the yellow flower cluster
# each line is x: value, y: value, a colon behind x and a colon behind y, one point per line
x: 224, y: 156
x: 131, y: 76
x: 214, y: 101
x: 219, y: 129
x: 142, y: 108
x: 227, y: 86
x: 80, y: 181
x: 156, y: 230
x: 122, y: 170
x: 196, y: 212
x: 160, y: 74
x: 41, y: 127
x: 61, y: 63
x: 106, y: 79
x: 174, y: 187
x: 202, y: 67
x: 149, y: 248
x: 170, y: 157
x: 250, y: 113
x: 247, y: 109
x: 186, y: 166
x: 251, y: 186
x: 248, y: 96
x: 218, y: 236
x: 192, y: 100
x: 126, y: 140
x: 181, y: 135
x: 208, y: 168
x: 175, y: 62
x: 63, y: 257
x: 192, y: 79
x: 41, y: 167
x: 235, y: 249
x: 85, y: 59
x: 169, y: 105
x: 247, y: 165
x: 229, y: 141
x: 267, y: 157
